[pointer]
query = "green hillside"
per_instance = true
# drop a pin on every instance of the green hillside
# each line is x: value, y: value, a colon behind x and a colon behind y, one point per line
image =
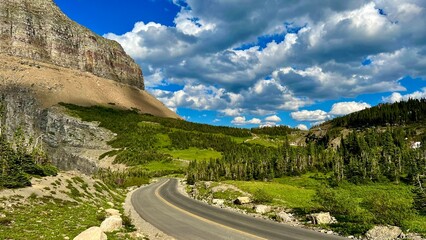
x: 344, y: 162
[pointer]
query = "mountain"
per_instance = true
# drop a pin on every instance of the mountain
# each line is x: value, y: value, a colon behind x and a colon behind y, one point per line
x: 61, y: 61
x: 47, y: 59
x: 38, y: 30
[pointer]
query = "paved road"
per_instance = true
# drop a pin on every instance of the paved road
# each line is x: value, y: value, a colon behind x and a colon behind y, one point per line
x: 184, y: 218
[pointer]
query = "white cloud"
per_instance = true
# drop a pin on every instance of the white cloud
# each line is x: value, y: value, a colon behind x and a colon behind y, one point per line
x: 273, y: 118
x: 310, y: 116
x: 397, y: 97
x: 321, y: 61
x: 302, y: 127
x: 344, y: 108
x: 242, y: 121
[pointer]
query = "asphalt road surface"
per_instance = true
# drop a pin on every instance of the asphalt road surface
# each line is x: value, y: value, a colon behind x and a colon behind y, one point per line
x: 184, y: 218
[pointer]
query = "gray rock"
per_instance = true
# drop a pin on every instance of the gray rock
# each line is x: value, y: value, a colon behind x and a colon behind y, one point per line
x: 93, y: 233
x: 321, y: 218
x: 218, y: 202
x: 242, y: 200
x: 112, y: 224
x: 262, y: 209
x: 112, y: 212
x: 285, y: 217
x: 383, y: 233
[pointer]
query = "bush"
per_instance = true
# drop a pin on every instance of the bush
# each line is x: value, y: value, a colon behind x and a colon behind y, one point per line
x: 261, y: 196
x: 389, y: 209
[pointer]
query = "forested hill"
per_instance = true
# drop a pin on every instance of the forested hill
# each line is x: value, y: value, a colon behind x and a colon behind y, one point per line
x: 400, y: 113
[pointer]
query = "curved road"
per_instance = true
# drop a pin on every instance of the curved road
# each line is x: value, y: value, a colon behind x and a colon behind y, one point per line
x: 184, y: 218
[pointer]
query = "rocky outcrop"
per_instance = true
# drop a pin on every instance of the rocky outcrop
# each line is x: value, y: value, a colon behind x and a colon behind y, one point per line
x: 38, y: 30
x: 383, y: 233
x: 66, y: 139
x: 93, y: 233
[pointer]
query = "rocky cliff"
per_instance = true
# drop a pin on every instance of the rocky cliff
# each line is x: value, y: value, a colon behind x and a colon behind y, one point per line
x: 70, y: 143
x: 38, y: 30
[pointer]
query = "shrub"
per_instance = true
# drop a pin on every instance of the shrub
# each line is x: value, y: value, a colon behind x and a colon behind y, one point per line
x: 389, y: 209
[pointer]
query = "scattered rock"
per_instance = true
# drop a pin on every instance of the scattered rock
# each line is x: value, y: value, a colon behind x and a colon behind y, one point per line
x: 329, y: 232
x: 112, y: 224
x: 207, y: 184
x: 242, y: 200
x: 383, y: 233
x: 218, y: 202
x: 262, y: 209
x: 413, y: 236
x: 111, y: 204
x: 112, y: 212
x: 285, y: 217
x: 321, y: 218
x: 93, y: 233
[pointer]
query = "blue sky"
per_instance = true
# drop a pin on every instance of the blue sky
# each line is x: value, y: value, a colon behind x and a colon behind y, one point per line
x: 248, y: 63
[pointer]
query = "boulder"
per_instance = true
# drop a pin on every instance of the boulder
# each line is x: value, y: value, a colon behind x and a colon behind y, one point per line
x: 218, y: 202
x: 242, y: 200
x: 321, y: 218
x: 93, y: 233
x: 112, y: 212
x: 383, y: 233
x: 262, y: 209
x: 112, y: 224
x: 285, y: 217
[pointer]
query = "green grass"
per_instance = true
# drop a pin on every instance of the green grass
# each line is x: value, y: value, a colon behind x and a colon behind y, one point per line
x: 283, y: 194
x: 193, y: 154
x: 265, y: 142
x: 167, y: 166
x: 49, y: 219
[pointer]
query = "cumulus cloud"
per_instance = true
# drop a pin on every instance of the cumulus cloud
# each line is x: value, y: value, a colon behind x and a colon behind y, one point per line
x: 273, y: 118
x: 398, y: 97
x: 310, y: 116
x: 302, y: 127
x: 343, y: 108
x: 316, y: 55
x: 317, y: 117
x: 242, y: 121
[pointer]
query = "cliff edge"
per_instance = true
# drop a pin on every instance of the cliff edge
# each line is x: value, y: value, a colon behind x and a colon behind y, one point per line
x: 38, y: 30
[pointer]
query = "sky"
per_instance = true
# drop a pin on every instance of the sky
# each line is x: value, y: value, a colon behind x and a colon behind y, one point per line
x: 250, y: 63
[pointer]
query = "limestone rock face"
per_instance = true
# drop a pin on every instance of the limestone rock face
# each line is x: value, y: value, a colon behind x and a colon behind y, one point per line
x: 38, y: 30
x: 93, y: 233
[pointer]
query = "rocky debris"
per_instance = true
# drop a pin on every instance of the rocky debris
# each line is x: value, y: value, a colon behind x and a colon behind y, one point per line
x: 322, y: 218
x: 412, y: 236
x: 218, y: 202
x: 112, y: 212
x: 112, y: 224
x: 242, y: 200
x: 383, y: 233
x: 285, y: 217
x: 93, y: 233
x: 262, y: 209
x: 38, y: 30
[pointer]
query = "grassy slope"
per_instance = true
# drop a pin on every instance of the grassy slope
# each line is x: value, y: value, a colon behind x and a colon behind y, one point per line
x: 299, y: 193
